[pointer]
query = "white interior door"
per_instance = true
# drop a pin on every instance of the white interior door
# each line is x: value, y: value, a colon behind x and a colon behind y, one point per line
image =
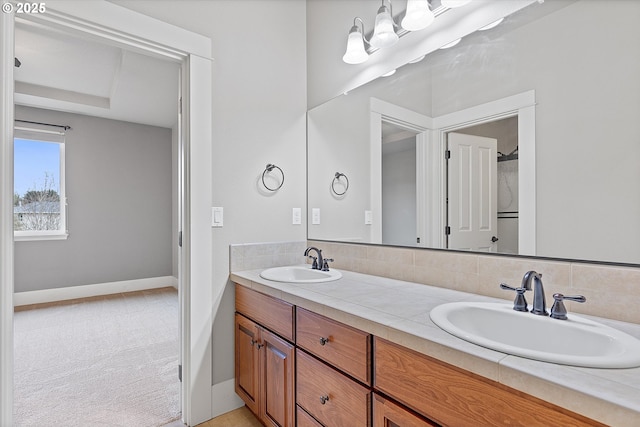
x: 472, y: 188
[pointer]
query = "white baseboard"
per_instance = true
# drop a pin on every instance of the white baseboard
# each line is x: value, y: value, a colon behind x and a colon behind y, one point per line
x: 224, y: 398
x: 85, y: 291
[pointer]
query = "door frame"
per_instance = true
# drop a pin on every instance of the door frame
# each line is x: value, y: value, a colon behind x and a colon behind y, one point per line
x: 382, y: 111
x: 521, y: 105
x: 113, y: 24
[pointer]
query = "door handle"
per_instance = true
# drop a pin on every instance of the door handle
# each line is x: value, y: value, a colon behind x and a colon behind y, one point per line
x: 494, y: 239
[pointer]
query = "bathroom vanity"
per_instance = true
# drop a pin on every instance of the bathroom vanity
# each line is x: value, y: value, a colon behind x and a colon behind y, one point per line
x: 362, y: 351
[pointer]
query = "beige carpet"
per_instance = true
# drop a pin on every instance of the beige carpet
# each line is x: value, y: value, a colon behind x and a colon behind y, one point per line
x: 106, y: 361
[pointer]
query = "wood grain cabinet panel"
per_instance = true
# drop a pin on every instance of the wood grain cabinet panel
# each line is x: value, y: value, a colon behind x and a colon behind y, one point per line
x: 247, y: 362
x: 306, y: 420
x: 346, y: 348
x: 331, y: 397
x: 265, y: 373
x: 277, y: 375
x: 453, y: 397
x: 270, y: 312
x: 389, y: 414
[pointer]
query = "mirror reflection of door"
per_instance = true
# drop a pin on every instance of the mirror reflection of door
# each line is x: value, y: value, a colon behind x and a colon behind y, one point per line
x: 475, y: 222
x: 399, y: 200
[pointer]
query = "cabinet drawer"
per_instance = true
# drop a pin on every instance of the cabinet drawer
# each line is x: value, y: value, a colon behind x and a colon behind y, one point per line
x: 346, y: 348
x: 270, y: 312
x: 305, y: 420
x: 387, y: 413
x: 453, y: 397
x: 331, y: 397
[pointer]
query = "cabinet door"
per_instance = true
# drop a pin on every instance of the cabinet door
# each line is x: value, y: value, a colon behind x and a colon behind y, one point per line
x: 247, y: 366
x: 388, y: 414
x: 277, y: 375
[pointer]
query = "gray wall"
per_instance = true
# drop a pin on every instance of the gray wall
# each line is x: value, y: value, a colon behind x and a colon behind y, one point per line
x: 118, y: 184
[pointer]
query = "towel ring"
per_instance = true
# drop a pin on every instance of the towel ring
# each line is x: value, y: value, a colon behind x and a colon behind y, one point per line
x: 267, y: 169
x: 337, y: 179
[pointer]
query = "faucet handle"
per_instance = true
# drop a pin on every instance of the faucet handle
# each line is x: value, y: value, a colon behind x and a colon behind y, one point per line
x: 558, y: 310
x: 520, y: 303
x: 325, y: 264
x: 314, y: 266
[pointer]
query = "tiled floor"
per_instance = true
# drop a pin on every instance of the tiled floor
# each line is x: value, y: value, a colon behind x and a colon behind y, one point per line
x: 241, y: 417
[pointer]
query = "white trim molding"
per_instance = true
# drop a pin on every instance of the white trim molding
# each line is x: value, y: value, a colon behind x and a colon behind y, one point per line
x: 521, y: 105
x: 86, y: 291
x: 6, y: 219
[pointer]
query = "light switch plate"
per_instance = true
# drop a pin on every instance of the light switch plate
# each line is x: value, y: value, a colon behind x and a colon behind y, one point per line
x: 296, y: 216
x: 217, y: 216
x: 368, y: 217
x: 315, y: 216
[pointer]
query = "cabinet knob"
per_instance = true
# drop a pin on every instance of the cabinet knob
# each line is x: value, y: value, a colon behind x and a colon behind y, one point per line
x: 323, y: 340
x: 324, y: 399
x: 252, y: 342
x: 259, y: 346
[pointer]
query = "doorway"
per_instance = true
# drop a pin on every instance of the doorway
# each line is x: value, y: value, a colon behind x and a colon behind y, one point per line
x: 399, y: 188
x: 505, y: 160
x: 120, y: 165
x: 121, y: 27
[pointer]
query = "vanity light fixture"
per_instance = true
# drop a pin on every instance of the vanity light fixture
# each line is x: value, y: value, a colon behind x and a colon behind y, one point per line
x: 418, y: 15
x: 384, y: 31
x: 390, y: 73
x: 356, y: 53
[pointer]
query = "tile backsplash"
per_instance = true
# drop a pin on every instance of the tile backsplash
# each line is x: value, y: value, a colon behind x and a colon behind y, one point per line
x: 250, y: 256
x: 612, y: 291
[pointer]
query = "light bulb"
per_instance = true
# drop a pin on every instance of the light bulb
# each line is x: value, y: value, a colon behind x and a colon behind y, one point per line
x: 355, y: 54
x: 384, y: 34
x: 418, y: 15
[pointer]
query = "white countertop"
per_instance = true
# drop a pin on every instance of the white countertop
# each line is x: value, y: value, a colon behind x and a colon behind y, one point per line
x: 399, y: 312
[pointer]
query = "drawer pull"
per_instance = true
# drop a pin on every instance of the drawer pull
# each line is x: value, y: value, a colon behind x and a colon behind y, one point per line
x: 324, y: 399
x: 323, y: 340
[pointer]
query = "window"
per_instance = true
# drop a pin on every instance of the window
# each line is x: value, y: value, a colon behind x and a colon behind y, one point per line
x: 39, y: 202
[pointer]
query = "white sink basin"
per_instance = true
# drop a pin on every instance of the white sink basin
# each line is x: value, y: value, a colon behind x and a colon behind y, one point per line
x: 300, y: 274
x: 576, y: 341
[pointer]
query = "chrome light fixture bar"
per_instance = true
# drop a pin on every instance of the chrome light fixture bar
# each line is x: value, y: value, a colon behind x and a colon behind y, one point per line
x: 386, y: 32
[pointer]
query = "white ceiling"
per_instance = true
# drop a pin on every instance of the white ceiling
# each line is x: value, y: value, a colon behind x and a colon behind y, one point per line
x: 65, y: 73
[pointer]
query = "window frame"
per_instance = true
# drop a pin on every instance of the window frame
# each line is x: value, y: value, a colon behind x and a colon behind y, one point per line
x: 46, y: 136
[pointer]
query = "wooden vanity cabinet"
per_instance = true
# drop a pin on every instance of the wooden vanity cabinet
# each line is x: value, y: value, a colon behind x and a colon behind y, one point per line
x: 346, y: 377
x: 264, y: 361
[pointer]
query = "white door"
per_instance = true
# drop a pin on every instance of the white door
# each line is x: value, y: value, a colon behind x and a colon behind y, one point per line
x: 472, y: 193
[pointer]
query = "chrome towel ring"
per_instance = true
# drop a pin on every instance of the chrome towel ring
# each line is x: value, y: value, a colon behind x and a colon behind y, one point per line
x: 268, y: 169
x: 336, y: 179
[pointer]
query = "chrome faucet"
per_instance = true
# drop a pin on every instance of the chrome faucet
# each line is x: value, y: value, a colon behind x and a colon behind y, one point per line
x: 539, y: 301
x: 317, y: 263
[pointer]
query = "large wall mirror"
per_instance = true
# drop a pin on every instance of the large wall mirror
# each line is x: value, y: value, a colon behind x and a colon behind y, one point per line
x: 521, y: 139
